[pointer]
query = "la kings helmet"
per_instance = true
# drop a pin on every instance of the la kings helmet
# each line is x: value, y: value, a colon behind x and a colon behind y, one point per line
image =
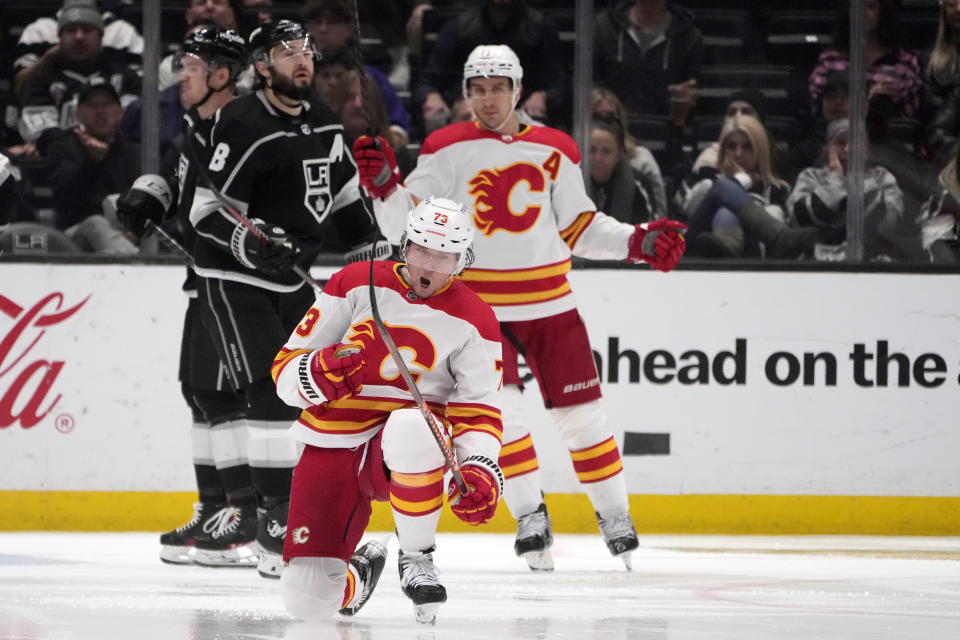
x: 217, y: 47
x: 492, y: 61
x: 441, y: 225
x: 267, y: 36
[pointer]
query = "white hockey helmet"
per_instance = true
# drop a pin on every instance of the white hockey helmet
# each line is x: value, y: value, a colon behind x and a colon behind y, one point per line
x: 441, y: 225
x: 490, y: 61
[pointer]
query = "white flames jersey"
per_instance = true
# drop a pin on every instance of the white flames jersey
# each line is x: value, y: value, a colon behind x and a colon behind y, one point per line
x: 450, y: 342
x: 530, y: 208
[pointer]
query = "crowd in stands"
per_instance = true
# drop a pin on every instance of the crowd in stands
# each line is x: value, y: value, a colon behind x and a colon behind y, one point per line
x: 690, y: 101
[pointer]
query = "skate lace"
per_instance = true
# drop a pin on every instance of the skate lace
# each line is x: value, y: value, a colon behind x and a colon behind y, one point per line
x: 532, y: 525
x: 223, y: 522
x: 419, y: 570
x: 197, y: 511
x: 620, y: 526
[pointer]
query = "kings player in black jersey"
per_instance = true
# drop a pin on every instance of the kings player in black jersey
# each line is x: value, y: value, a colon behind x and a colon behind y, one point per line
x: 281, y: 184
x: 223, y: 528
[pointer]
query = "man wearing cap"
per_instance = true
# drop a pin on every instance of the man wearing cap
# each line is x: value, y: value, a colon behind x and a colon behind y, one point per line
x: 40, y: 39
x: 49, y: 93
x: 88, y: 163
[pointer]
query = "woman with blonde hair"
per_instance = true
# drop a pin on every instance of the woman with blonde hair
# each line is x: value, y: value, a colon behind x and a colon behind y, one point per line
x: 605, y: 104
x: 713, y: 199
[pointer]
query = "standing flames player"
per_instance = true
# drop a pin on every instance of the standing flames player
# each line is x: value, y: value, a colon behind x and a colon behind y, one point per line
x: 224, y: 524
x: 532, y: 212
x: 365, y: 440
x: 278, y: 165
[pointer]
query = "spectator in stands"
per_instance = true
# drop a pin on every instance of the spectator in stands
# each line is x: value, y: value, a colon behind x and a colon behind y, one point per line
x: 833, y: 105
x: 367, y: 115
x: 604, y: 103
x: 88, y: 163
x: 39, y: 43
x: 49, y: 94
x: 197, y: 14
x: 893, y: 73
x: 819, y: 199
x: 252, y: 14
x: 648, y: 53
x: 330, y: 22
x: 531, y: 35
x: 715, y: 230
x: 615, y: 188
x: 747, y: 102
x: 942, y: 84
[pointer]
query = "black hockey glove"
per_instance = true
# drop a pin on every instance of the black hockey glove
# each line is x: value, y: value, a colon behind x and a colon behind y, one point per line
x: 148, y: 199
x: 276, y: 255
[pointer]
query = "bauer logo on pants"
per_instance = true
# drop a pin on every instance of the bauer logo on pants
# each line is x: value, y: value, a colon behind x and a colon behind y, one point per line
x: 316, y: 197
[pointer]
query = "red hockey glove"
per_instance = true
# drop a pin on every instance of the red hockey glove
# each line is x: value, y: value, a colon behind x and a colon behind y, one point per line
x: 377, y: 166
x: 484, y: 482
x: 337, y: 371
x: 657, y: 243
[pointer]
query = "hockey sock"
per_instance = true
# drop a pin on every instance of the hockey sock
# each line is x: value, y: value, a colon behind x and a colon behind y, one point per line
x: 599, y: 469
x: 521, y: 475
x: 209, y: 487
x: 416, y: 499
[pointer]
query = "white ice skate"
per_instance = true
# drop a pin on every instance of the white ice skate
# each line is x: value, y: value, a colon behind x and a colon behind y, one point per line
x: 620, y: 536
x: 418, y: 579
x: 534, y: 538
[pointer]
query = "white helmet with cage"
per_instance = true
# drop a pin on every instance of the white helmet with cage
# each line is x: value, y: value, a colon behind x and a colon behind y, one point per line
x: 492, y: 61
x: 441, y: 225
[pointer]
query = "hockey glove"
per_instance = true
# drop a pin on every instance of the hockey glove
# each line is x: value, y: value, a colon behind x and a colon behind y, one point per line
x: 657, y: 243
x: 377, y: 166
x: 337, y: 371
x: 484, y: 482
x: 147, y: 200
x: 274, y: 251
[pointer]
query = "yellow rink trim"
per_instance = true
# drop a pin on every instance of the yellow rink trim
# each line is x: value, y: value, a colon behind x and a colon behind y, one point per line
x: 571, y: 513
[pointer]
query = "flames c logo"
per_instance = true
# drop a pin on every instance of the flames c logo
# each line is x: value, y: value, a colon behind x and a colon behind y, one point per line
x: 418, y: 351
x: 493, y: 188
x: 301, y: 535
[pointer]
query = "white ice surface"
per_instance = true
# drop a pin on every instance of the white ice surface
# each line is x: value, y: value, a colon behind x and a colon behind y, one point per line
x: 67, y: 586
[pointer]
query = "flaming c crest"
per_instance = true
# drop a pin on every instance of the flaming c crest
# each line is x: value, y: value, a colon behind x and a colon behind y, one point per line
x: 492, y: 189
x: 418, y: 351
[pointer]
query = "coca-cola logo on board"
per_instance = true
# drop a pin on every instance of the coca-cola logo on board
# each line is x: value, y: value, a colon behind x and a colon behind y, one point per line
x: 27, y: 381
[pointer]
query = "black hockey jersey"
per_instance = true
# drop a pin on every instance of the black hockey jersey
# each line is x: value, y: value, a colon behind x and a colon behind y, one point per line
x: 294, y: 172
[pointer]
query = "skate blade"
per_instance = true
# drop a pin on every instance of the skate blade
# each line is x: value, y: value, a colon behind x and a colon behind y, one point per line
x: 243, y: 556
x: 625, y: 557
x: 176, y: 555
x: 270, y: 566
x: 539, y: 560
x: 426, y: 613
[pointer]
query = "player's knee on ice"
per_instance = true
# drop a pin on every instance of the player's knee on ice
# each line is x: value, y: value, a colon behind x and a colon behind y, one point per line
x: 408, y: 446
x: 312, y: 588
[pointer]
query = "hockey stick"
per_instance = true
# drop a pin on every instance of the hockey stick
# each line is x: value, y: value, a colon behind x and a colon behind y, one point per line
x: 178, y: 248
x: 436, y: 429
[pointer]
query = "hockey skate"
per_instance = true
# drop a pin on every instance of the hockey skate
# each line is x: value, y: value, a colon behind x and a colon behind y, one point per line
x: 369, y: 561
x: 176, y: 546
x: 228, y: 539
x: 620, y: 536
x: 418, y: 579
x: 271, y: 532
x: 534, y: 537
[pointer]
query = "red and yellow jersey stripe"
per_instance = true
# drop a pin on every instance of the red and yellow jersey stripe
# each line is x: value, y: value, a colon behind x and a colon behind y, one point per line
x: 596, y: 463
x: 519, y: 286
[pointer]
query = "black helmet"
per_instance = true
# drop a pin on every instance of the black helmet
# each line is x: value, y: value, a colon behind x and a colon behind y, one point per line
x: 267, y: 36
x: 216, y: 46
